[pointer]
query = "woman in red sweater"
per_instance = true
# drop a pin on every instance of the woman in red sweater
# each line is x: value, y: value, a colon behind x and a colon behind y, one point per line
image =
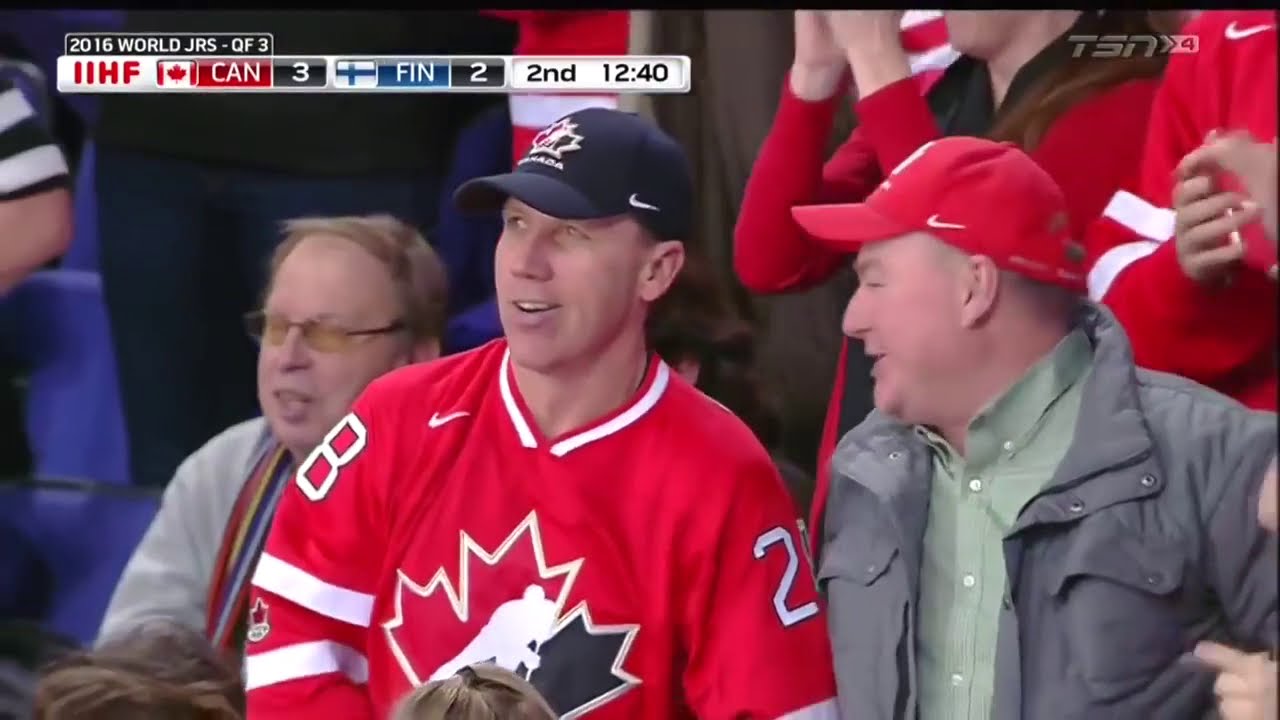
x: 1018, y: 79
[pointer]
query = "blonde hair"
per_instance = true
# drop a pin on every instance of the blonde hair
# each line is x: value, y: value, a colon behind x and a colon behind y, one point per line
x: 421, y: 284
x: 477, y: 692
x: 157, y: 671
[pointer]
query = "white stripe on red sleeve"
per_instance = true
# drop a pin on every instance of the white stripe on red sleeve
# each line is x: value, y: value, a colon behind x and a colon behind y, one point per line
x: 304, y: 660
x: 298, y: 586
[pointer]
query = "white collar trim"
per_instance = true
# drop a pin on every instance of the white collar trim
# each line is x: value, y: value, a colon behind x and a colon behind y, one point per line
x: 638, y: 409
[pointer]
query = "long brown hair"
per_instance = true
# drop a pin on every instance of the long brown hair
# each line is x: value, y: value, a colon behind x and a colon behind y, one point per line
x: 1075, y: 79
x: 157, y: 671
x: 695, y: 321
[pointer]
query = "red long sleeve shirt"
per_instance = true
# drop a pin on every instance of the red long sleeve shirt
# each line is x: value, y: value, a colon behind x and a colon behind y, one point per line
x: 1089, y: 150
x: 1222, y: 337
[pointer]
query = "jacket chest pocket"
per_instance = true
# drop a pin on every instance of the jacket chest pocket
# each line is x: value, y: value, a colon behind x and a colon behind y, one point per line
x: 865, y: 619
x: 1118, y: 596
x: 858, y: 561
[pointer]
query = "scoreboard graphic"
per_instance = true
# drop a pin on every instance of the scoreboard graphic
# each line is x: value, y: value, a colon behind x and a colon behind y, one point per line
x: 245, y: 62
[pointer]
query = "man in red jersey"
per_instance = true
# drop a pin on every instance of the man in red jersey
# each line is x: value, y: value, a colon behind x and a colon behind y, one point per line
x: 558, y: 502
x: 1191, y: 304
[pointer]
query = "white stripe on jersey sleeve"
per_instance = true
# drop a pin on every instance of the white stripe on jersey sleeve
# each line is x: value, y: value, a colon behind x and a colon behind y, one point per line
x: 30, y: 167
x: 304, y: 660
x: 1140, y: 216
x: 1108, y: 267
x: 939, y: 58
x: 14, y: 108
x: 297, y: 585
x: 825, y: 710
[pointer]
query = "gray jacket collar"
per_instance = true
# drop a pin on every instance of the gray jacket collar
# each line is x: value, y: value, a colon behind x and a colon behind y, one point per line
x: 1110, y: 431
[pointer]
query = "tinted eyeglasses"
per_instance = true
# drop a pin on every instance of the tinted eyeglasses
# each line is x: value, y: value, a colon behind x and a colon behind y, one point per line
x: 319, y: 335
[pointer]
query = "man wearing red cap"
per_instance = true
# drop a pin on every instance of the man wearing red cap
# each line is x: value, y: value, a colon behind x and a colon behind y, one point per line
x: 1027, y: 525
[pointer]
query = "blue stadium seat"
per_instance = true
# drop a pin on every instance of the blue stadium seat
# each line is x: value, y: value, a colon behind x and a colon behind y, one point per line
x: 83, y: 252
x: 55, y: 324
x: 84, y: 534
x: 466, y: 242
x: 25, y: 580
x: 473, y: 327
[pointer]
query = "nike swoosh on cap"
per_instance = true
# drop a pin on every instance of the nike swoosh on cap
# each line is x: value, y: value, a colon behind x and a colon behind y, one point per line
x: 635, y: 203
x: 934, y: 222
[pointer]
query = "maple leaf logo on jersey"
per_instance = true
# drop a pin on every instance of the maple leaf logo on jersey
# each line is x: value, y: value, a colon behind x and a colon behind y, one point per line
x: 508, y: 608
x: 557, y: 139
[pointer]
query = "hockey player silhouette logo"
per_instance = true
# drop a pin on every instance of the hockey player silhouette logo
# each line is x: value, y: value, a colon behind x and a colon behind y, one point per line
x: 508, y: 607
x: 512, y: 636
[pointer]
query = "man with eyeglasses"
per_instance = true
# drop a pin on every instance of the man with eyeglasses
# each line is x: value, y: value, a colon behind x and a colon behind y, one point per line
x: 349, y: 299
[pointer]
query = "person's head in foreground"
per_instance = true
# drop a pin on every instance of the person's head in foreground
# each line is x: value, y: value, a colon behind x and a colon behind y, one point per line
x: 349, y: 298
x: 967, y: 276
x: 157, y: 671
x: 593, y: 222
x: 477, y: 692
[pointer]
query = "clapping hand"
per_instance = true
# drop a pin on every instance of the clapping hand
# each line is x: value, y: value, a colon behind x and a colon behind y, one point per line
x: 1246, y: 684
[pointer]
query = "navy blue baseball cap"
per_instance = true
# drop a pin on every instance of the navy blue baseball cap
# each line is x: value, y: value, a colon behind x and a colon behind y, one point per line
x: 597, y: 163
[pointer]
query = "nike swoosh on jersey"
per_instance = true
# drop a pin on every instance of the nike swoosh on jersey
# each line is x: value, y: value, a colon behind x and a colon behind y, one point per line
x: 1235, y: 33
x: 437, y: 419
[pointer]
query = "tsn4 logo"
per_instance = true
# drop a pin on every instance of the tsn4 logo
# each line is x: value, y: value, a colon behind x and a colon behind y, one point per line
x: 1126, y: 45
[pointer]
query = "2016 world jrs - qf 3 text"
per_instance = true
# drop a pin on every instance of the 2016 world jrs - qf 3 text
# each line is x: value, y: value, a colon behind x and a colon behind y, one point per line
x: 231, y: 62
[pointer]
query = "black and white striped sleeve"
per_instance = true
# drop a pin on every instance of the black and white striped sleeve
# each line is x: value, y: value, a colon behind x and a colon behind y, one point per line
x: 30, y: 159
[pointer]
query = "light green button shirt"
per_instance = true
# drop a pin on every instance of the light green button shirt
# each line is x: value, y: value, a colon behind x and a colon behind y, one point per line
x: 1014, y: 447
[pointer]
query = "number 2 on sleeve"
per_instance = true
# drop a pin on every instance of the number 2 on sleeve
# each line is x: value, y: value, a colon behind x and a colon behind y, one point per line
x: 789, y: 616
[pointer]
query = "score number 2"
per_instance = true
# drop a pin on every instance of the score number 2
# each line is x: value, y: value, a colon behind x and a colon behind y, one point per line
x: 789, y: 616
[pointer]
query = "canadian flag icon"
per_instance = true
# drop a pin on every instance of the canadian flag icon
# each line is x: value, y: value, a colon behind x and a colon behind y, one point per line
x: 175, y: 73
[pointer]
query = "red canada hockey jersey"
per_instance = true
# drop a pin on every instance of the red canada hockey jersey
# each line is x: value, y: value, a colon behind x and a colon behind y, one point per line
x: 647, y: 566
x: 1224, y: 338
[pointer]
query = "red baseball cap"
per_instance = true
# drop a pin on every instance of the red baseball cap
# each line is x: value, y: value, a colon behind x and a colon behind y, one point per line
x: 979, y: 196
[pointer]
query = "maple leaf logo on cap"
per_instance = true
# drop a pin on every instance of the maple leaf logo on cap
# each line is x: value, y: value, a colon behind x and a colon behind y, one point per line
x: 557, y: 139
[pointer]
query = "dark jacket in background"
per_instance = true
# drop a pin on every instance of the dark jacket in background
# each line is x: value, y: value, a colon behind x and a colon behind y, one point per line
x: 312, y: 134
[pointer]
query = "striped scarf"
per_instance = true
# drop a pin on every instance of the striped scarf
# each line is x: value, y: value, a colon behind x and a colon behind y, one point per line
x: 242, y: 544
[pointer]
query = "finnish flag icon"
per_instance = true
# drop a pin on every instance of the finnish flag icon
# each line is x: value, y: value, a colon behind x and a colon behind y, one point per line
x: 356, y: 73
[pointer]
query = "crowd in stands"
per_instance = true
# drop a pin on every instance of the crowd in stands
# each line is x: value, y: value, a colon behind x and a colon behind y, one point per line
x: 434, y: 407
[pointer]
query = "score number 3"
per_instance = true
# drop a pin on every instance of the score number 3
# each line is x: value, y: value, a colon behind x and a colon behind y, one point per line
x: 788, y: 616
